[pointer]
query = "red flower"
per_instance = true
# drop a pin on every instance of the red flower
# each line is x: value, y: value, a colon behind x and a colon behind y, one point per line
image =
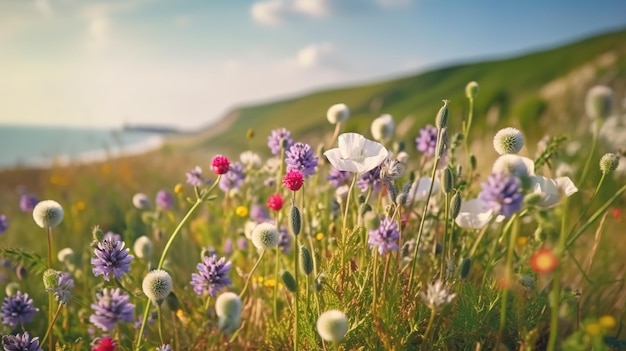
x: 105, y: 344
x: 275, y: 202
x: 220, y: 164
x: 544, y: 261
x: 293, y: 180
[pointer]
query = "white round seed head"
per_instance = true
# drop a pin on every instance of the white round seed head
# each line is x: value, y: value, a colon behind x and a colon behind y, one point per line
x: 383, y: 127
x: 157, y: 285
x: 48, y: 214
x: 609, y: 163
x: 515, y: 165
x: 332, y: 325
x: 228, y: 305
x: 337, y: 113
x: 141, y: 201
x: 598, y: 102
x: 265, y: 236
x: 508, y: 141
x: 65, y: 255
x: 143, y: 247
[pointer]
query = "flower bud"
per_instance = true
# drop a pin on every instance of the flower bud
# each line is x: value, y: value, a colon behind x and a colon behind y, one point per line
x: 471, y: 90
x: 141, y: 201
x: 441, y: 121
x: 289, y: 281
x: 448, y: 180
x: 533, y: 199
x: 295, y: 220
x: 609, y: 163
x: 464, y: 267
x: 441, y: 143
x: 228, y: 311
x: 50, y: 279
x: 455, y: 205
x: 383, y: 127
x: 305, y: 261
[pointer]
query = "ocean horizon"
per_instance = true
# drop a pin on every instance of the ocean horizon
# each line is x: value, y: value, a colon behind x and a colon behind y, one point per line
x: 44, y: 146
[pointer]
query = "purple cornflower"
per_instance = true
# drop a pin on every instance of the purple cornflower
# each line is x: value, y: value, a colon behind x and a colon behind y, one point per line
x: 17, y: 309
x: 385, y: 237
x: 370, y: 178
x: 164, y: 347
x: 501, y: 193
x: 112, y: 307
x: 4, y: 223
x: 426, y: 142
x: 300, y: 157
x: 259, y: 213
x: 110, y: 257
x: 28, y: 202
x: 275, y: 140
x: 212, y: 275
x: 62, y: 291
x: 164, y: 199
x: 338, y: 178
x: 233, y: 179
x: 194, y: 177
x: 21, y: 342
x: 284, y: 240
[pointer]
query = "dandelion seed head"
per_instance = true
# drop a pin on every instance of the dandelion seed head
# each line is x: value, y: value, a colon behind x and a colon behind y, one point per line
x: 48, y: 214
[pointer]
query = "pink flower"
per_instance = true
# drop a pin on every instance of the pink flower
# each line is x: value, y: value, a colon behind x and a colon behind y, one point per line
x: 275, y: 202
x: 293, y: 180
x: 220, y: 164
x: 105, y: 344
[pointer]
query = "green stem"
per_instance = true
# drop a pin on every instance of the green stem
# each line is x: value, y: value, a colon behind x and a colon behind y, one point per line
x: 245, y: 287
x: 555, y: 294
x: 344, y: 229
x: 146, y: 312
x: 275, y: 302
x: 508, y: 273
x: 593, y: 197
x: 445, y: 234
x: 160, y: 324
x: 51, y: 325
x: 466, y: 131
x: 594, y: 144
x: 429, y: 326
x: 295, y: 296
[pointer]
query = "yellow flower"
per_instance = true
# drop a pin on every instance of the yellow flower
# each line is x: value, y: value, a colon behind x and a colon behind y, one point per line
x: 241, y: 211
x: 270, y: 283
x: 607, y: 322
x: 258, y: 280
x: 522, y: 241
x: 593, y: 329
x: 319, y: 236
x: 178, y: 189
x: 80, y: 205
x: 184, y: 319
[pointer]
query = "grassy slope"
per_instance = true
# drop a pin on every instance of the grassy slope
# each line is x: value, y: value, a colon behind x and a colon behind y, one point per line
x: 512, y: 83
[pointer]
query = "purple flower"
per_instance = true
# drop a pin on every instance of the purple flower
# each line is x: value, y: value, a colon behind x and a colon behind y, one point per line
x: 385, y: 237
x: 242, y: 244
x: 338, y: 178
x: 502, y: 193
x: 259, y: 213
x: 164, y: 199
x: 284, y: 240
x: 228, y: 246
x: 194, y: 177
x: 164, y: 347
x: 20, y: 343
x: 28, y: 202
x: 65, y: 284
x: 112, y: 307
x: 112, y: 236
x: 276, y: 138
x: 211, y: 276
x: 110, y: 257
x: 300, y: 157
x: 369, y: 178
x: 233, y: 179
x: 426, y: 142
x: 17, y: 309
x: 4, y: 223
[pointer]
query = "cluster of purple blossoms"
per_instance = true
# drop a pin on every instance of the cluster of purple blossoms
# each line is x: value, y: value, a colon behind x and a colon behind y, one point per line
x: 502, y: 194
x: 386, y: 237
x: 164, y: 200
x: 20, y: 343
x: 4, y: 223
x: 277, y: 138
x: 370, y: 178
x: 233, y: 179
x: 212, y: 275
x: 426, y: 142
x: 111, y: 308
x: 338, y: 178
x: 110, y: 257
x: 300, y: 157
x: 194, y: 177
x: 17, y: 309
x: 28, y: 202
x: 113, y: 236
x: 62, y: 291
x: 259, y: 213
x: 284, y: 240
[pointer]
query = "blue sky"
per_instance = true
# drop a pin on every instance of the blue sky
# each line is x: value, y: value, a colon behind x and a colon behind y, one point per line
x: 185, y: 63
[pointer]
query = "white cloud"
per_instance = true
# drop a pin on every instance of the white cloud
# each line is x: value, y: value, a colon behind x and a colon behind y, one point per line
x: 315, y: 55
x: 393, y: 3
x: 312, y: 8
x: 44, y: 7
x: 271, y: 12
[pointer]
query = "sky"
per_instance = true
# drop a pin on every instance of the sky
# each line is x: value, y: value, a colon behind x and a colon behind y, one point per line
x: 185, y: 63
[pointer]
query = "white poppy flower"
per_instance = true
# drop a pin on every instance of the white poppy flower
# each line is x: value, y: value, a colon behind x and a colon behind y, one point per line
x: 356, y: 154
x: 473, y: 215
x: 551, y: 189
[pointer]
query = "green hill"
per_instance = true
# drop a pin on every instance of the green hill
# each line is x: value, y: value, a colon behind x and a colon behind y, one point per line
x: 535, y: 92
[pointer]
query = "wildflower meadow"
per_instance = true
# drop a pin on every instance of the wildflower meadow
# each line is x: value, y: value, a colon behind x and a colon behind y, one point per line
x: 360, y: 242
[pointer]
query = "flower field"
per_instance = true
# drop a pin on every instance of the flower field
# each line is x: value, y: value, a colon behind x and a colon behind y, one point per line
x: 362, y: 242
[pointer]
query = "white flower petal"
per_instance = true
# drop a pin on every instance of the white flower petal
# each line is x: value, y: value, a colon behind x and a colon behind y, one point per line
x: 566, y: 185
x: 474, y: 216
x: 350, y: 145
x: 551, y: 189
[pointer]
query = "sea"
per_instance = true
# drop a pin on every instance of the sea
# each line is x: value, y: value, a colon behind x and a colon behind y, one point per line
x: 43, y: 146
